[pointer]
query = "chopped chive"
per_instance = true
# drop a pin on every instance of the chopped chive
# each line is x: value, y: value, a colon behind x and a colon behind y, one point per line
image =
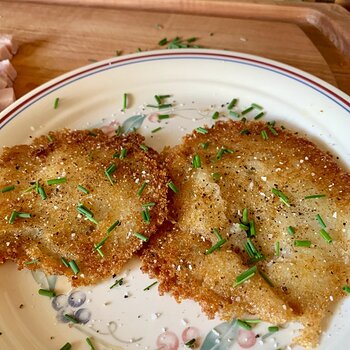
x: 192, y: 39
x: 162, y: 97
x: 146, y: 216
x: 118, y: 282
x: 144, y: 148
x: 100, y: 252
x: 232, y: 103
x: 42, y: 192
x: 87, y: 213
x: 245, y: 219
x: 150, y: 286
x: 142, y: 188
x: 315, y: 196
x: 216, y: 176
x: 252, y: 230
x: 251, y: 250
x: 7, y: 189
x: 125, y: 101
x: 163, y: 42
x: 31, y: 188
x: 273, y: 130
x: 50, y: 138
x: 71, y: 318
x: 277, y: 248
x: 158, y: 99
x: 215, y: 115
x: 113, y: 226
x: 264, y: 135
x: 73, y: 265
x: 141, y: 236
x: 163, y: 116
x: 201, y: 130
x: 56, y: 102
x: 118, y: 130
x: 259, y: 115
x: 252, y: 320
x: 65, y: 262
x: 244, y: 276
x: 291, y: 230
x: 35, y: 261
x: 234, y: 114
x: 247, y: 110
x: 13, y: 217
x: 256, y: 106
x: 204, y: 145
x: 196, y: 161
x: 57, y: 181
x: 244, y: 227
x: 138, y: 49
x: 245, y: 132
x: 223, y: 151
x: 83, y: 189
x: 109, y: 171
x: 320, y: 221
x: 346, y: 289
x: 216, y: 246
x: 266, y: 278
x: 91, y: 133
x: 283, y: 198
x: 88, y: 340
x: 302, y: 243
x: 325, y: 235
x: 66, y: 346
x: 147, y: 205
x: 273, y: 329
x: 123, y: 153
x: 162, y: 106
x: 217, y: 234
x: 190, y: 343
x: 156, y: 130
x: 243, y: 324
x: 101, y: 243
x: 172, y: 186
x: 47, y: 293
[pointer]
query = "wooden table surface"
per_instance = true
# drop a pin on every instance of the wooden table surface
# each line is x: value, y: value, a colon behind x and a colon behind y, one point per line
x: 55, y: 38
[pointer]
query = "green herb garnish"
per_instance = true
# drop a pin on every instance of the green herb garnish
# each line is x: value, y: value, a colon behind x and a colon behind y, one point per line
x: 245, y: 215
x: 202, y: 130
x: 150, y: 286
x: 232, y: 103
x: 73, y: 265
x: 156, y: 130
x: 277, y: 248
x: 113, y: 226
x: 66, y: 346
x: 259, y: 115
x: 109, y: 171
x: 320, y: 221
x: 302, y: 243
x: 215, y: 115
x: 146, y: 216
x: 47, y: 293
x: 223, y: 151
x: 291, y: 230
x: 118, y: 282
x: 315, y: 196
x: 35, y: 261
x: 190, y: 343
x: 65, y: 262
x: 123, y: 153
x: 18, y: 214
x: 144, y: 148
x: 216, y: 246
x: 216, y: 176
x: 346, y: 289
x: 247, y: 110
x: 141, y: 236
x: 196, y: 161
x: 56, y: 181
x: 172, y: 186
x: 125, y: 101
x: 71, y: 318
x: 234, y: 114
x: 56, y: 102
x: 256, y: 106
x: 83, y: 189
x: 163, y: 116
x: 147, y: 205
x: 273, y: 329
x: 264, y: 135
x: 88, y: 340
x: 325, y: 235
x: 7, y: 189
x: 244, y: 276
x: 163, y: 42
x: 283, y: 198
x: 204, y: 145
x: 244, y: 324
x: 142, y: 188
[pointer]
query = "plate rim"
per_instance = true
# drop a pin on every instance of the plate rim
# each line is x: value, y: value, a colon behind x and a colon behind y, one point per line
x: 336, y: 95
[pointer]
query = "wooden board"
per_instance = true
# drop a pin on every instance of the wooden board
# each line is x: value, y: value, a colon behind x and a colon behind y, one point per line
x: 55, y: 38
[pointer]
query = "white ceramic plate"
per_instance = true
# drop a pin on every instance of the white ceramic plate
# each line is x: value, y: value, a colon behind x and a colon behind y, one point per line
x: 200, y: 82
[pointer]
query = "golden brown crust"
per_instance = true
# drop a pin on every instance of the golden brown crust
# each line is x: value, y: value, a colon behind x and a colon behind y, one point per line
x: 309, y: 280
x: 56, y: 229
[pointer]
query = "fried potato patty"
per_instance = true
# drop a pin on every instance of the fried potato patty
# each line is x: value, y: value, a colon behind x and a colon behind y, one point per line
x: 295, y: 228
x: 90, y: 211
